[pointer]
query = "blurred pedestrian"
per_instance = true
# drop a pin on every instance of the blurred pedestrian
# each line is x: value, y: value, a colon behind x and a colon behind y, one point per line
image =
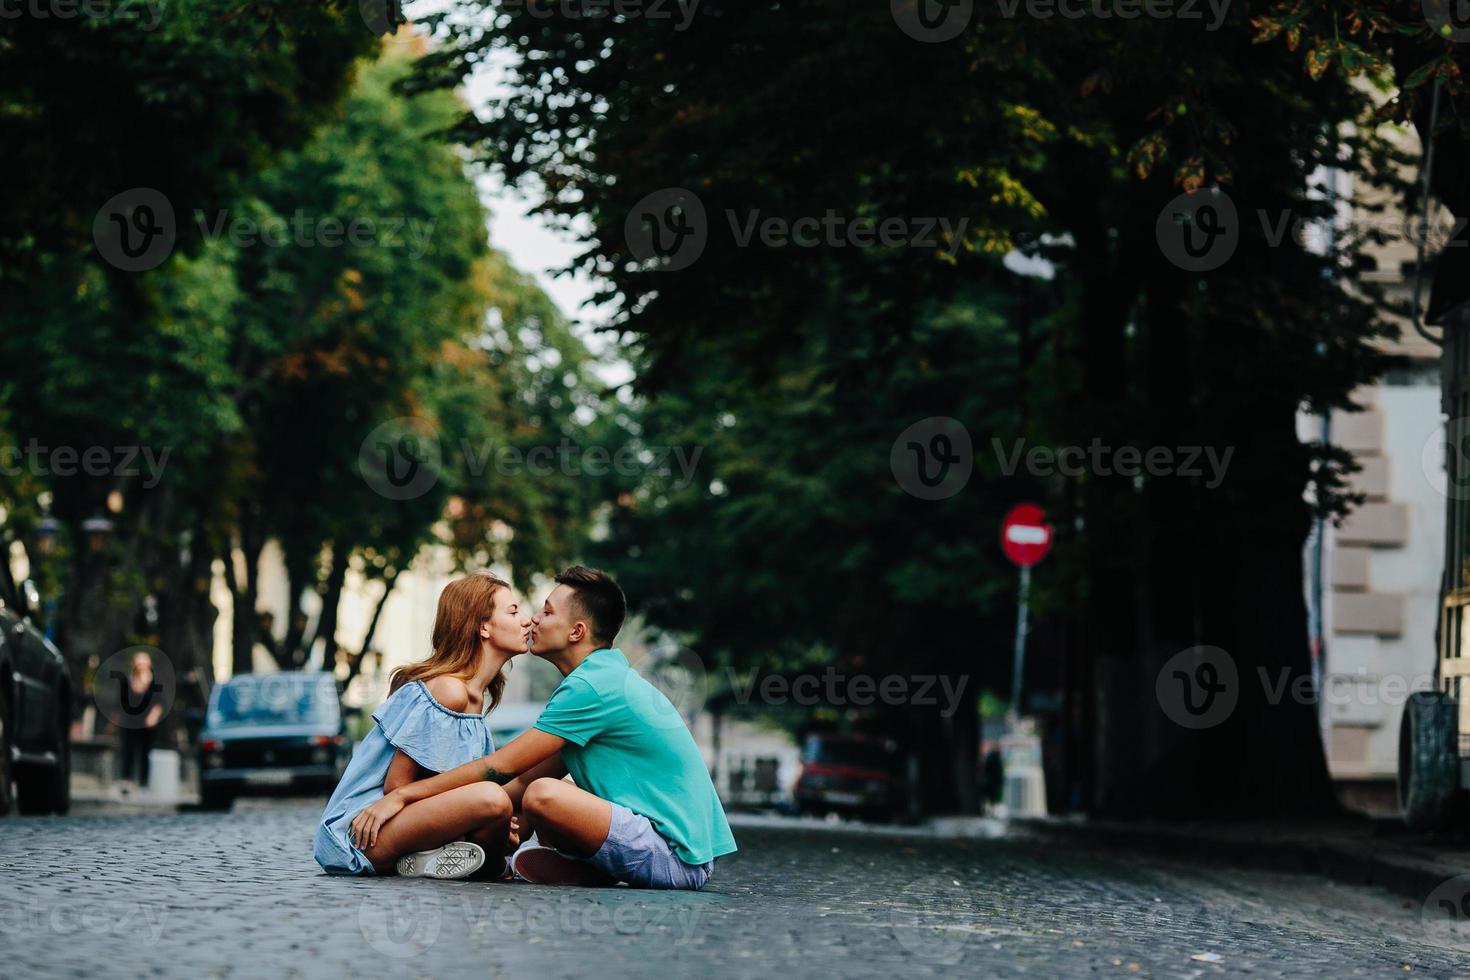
x: 994, y: 777
x: 137, y: 740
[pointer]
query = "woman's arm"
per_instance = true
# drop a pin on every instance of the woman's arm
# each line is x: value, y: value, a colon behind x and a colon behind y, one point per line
x: 521, y: 755
x: 401, y: 771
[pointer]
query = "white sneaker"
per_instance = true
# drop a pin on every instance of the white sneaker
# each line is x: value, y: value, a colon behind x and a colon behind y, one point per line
x: 458, y: 859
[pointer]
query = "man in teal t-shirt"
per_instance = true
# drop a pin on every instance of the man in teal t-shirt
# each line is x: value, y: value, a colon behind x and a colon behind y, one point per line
x: 643, y: 809
x: 628, y: 745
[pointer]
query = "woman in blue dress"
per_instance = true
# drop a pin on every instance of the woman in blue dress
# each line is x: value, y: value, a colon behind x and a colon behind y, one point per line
x: 434, y: 720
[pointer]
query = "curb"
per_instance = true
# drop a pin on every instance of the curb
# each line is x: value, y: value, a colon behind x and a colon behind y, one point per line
x: 1353, y: 859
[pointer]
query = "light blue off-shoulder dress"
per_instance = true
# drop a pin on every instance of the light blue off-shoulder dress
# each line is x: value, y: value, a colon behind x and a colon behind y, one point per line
x: 427, y: 732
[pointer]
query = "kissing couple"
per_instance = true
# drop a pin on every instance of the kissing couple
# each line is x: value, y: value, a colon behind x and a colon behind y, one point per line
x: 428, y: 794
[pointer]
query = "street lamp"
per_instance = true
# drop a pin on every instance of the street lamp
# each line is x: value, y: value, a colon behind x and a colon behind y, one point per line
x: 98, y: 531
x: 47, y: 530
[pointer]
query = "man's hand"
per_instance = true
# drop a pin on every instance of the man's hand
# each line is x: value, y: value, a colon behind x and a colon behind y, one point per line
x: 365, y: 826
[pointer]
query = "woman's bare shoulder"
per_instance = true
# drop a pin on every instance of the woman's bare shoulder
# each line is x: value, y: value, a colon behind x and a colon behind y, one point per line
x: 451, y: 692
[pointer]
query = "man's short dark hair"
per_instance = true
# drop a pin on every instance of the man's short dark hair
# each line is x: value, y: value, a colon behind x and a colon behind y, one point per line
x: 599, y: 599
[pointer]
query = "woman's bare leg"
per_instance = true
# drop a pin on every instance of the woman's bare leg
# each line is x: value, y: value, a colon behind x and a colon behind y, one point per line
x: 479, y: 812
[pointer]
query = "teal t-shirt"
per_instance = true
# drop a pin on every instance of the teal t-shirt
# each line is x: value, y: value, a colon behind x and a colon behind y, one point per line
x: 628, y: 744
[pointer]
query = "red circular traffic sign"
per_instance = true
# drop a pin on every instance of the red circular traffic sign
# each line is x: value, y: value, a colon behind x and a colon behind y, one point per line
x: 1025, y: 536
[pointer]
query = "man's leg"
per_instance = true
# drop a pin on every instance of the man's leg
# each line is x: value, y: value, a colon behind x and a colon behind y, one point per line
x: 596, y: 843
x: 565, y: 817
x: 480, y: 809
x: 552, y: 768
x: 570, y: 825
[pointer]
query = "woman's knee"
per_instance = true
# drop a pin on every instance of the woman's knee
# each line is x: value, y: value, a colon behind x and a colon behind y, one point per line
x: 490, y: 801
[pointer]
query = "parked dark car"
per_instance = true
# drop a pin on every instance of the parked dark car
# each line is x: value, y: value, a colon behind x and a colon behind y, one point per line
x: 271, y: 735
x: 35, y: 707
x: 849, y: 774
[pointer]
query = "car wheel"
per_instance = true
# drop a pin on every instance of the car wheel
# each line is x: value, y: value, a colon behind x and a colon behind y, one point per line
x: 7, y: 765
x: 1429, y: 764
x: 61, y: 777
x: 215, y: 799
x: 47, y: 789
x: 32, y: 787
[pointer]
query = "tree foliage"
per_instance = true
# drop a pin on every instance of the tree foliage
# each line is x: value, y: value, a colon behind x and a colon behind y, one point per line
x: 1060, y: 140
x: 331, y: 275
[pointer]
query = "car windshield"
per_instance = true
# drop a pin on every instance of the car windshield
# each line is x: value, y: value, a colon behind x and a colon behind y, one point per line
x: 275, y: 699
x: 846, y: 753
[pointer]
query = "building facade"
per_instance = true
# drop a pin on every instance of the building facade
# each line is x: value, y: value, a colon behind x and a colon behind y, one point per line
x: 1378, y: 600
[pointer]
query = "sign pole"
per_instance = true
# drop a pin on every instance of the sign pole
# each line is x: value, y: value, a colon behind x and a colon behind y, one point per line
x: 1025, y: 537
x: 1018, y: 664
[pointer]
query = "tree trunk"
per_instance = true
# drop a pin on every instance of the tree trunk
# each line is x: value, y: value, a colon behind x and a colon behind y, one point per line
x: 354, y: 665
x: 186, y: 618
x: 326, y: 629
x: 297, y: 572
x: 245, y: 626
x: 964, y: 745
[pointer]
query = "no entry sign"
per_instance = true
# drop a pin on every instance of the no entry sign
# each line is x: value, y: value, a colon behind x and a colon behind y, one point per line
x: 1025, y: 536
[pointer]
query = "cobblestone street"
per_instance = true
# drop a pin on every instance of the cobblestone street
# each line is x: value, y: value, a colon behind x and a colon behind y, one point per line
x: 210, y: 895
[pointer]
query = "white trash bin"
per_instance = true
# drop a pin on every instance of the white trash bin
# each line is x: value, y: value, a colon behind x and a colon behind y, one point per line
x: 1025, y: 781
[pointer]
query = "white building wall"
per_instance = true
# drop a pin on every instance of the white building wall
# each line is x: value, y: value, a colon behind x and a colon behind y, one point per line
x: 1380, y: 641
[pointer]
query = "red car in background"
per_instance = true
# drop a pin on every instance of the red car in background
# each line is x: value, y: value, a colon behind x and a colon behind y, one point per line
x: 853, y: 775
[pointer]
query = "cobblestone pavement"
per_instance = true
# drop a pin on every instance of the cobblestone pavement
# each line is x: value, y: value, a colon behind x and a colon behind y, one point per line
x: 237, y: 895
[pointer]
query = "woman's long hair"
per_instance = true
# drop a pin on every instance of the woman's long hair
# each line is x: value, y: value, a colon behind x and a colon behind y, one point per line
x: 463, y: 606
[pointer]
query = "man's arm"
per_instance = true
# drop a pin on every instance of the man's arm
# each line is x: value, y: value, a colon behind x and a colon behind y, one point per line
x: 502, y: 766
x: 523, y: 753
x: 552, y: 768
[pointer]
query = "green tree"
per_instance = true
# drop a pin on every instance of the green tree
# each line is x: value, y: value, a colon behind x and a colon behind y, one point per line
x: 302, y: 309
x: 94, y: 105
x: 422, y: 324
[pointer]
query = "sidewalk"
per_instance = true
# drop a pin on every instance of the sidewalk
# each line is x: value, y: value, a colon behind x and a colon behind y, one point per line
x: 1357, y: 851
x: 938, y: 828
x: 90, y: 793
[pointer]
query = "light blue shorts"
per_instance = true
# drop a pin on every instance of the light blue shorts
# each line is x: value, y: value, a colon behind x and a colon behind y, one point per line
x: 636, y: 853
